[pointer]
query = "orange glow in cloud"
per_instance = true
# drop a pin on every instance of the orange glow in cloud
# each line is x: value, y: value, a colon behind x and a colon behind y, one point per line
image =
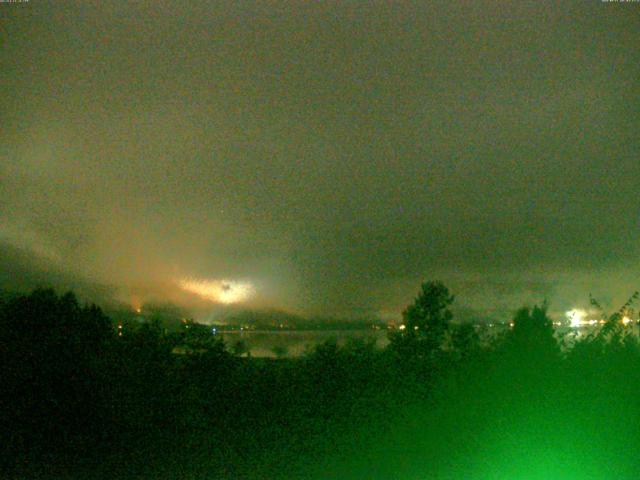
x: 219, y: 291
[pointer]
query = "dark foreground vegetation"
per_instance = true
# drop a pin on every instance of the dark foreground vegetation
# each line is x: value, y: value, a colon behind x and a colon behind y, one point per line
x: 78, y: 400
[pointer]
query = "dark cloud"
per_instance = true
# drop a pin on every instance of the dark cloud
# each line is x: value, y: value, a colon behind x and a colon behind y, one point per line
x: 333, y: 154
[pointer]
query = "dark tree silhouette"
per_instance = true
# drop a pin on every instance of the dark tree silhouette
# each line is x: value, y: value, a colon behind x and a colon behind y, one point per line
x: 426, y: 321
x: 465, y: 340
x: 532, y: 335
x: 51, y: 364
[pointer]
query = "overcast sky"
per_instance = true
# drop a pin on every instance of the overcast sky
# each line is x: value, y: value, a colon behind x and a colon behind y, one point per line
x: 331, y: 155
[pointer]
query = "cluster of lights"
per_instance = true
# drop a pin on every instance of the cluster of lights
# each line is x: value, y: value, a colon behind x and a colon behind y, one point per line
x: 402, y: 327
x: 577, y: 319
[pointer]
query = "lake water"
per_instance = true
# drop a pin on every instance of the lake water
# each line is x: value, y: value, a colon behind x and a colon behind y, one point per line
x: 295, y: 343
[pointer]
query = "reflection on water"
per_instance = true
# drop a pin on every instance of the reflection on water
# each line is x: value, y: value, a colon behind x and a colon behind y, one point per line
x: 295, y: 343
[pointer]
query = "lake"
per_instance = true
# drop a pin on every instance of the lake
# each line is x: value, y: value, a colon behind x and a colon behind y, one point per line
x: 294, y: 343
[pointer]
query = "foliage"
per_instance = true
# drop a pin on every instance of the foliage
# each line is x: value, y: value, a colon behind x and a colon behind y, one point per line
x: 465, y: 340
x: 51, y: 364
x: 426, y: 322
x: 79, y: 398
x: 532, y: 333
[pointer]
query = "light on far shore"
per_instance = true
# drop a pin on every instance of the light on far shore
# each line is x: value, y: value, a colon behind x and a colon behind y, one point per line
x: 576, y: 317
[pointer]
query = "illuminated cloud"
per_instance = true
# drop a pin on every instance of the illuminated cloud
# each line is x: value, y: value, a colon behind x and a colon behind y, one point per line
x: 219, y: 291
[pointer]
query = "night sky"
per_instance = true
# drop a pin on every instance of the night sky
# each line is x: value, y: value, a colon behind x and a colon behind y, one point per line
x: 322, y: 157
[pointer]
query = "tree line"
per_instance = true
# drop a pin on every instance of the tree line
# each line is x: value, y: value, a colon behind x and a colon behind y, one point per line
x: 81, y: 400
